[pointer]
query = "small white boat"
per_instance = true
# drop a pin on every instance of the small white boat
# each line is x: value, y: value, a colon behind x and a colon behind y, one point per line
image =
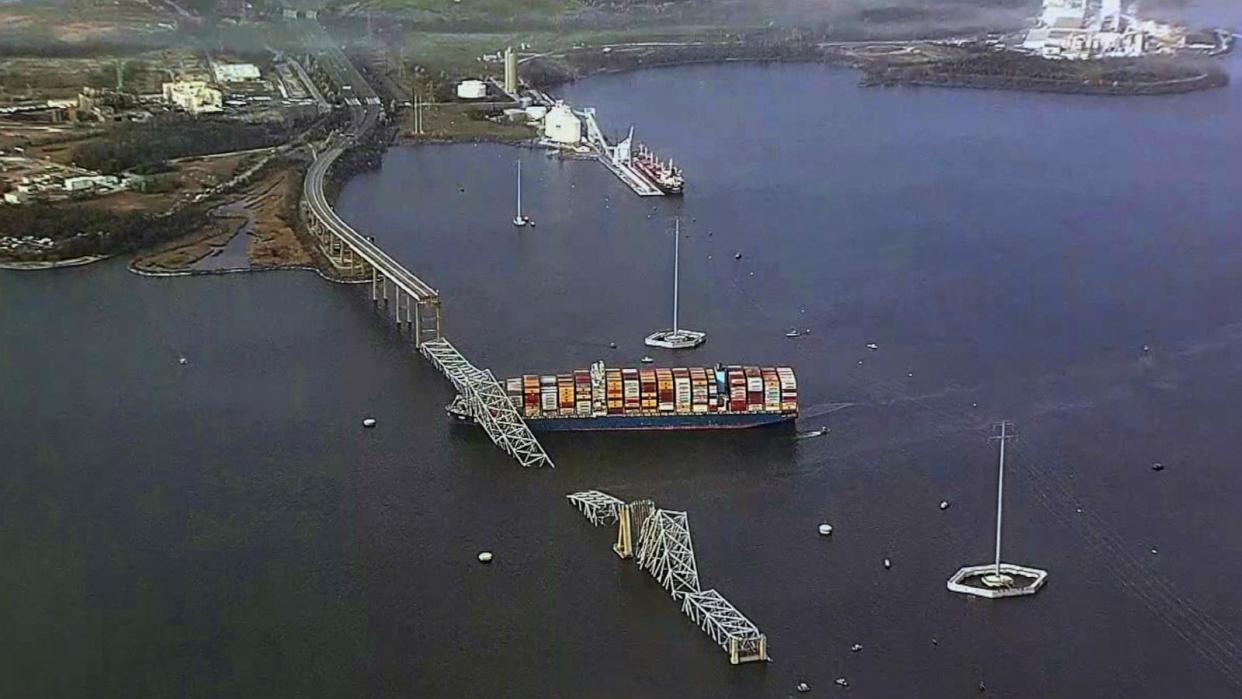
x: 183, y: 360
x: 872, y: 346
x: 646, y: 360
x: 793, y: 334
x: 368, y: 422
x: 813, y: 433
x: 825, y: 529
x: 485, y: 557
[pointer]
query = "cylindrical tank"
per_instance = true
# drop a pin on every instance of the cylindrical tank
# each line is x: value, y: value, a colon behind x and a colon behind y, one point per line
x: 471, y: 89
x: 562, y: 125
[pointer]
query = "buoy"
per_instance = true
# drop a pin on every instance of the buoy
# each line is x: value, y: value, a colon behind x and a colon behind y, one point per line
x: 1146, y: 348
x: 974, y: 405
x: 738, y: 256
x: 485, y: 557
x: 752, y: 274
x: 856, y: 647
x: 887, y: 564
x: 944, y: 504
x: 860, y: 362
x: 934, y: 641
x: 183, y: 360
x: 803, y: 687
x: 825, y: 529
x: 910, y: 374
x: 368, y: 422
x: 613, y: 345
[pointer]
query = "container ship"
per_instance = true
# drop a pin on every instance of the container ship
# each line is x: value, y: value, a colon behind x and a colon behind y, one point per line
x: 684, y: 398
x: 664, y: 175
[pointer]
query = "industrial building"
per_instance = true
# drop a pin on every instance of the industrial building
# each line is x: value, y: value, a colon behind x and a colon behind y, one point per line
x: 85, y: 182
x: 1086, y: 29
x: 194, y: 96
x: 234, y: 72
x: 561, y: 125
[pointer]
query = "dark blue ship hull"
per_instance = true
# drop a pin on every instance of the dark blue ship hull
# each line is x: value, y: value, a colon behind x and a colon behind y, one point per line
x: 696, y: 421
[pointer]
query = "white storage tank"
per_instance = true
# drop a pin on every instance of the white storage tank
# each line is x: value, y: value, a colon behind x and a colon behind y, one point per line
x: 562, y: 125
x: 472, y: 89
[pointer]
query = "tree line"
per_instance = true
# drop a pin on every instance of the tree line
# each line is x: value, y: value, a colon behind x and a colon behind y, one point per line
x: 146, y: 145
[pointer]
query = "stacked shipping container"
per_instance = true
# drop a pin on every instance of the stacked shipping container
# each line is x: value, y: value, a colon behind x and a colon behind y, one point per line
x: 654, y: 392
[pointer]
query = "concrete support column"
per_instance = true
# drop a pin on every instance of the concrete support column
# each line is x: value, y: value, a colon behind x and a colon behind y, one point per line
x: 418, y: 326
x: 374, y: 290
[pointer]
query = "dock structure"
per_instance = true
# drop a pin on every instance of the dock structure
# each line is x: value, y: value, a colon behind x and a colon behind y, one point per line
x: 414, y: 304
x: 617, y: 158
x: 665, y: 550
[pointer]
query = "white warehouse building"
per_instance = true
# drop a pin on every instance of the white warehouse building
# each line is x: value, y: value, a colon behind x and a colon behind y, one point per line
x: 562, y: 125
x: 235, y: 72
x: 194, y: 96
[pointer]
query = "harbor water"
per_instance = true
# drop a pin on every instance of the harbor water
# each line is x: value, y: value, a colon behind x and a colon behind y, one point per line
x: 226, y: 527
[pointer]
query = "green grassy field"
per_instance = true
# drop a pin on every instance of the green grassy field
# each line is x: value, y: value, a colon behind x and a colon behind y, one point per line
x: 458, y: 53
x: 481, y: 9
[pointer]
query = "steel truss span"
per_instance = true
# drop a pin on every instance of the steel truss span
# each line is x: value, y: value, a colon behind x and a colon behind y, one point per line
x: 486, y: 401
x: 725, y: 625
x: 666, y: 551
x: 599, y: 508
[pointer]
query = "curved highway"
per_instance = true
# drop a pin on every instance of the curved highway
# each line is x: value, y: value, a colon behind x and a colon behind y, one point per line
x: 365, y: 111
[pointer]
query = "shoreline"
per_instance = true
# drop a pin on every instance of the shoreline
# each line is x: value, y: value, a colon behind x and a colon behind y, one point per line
x: 240, y: 270
x: 912, y: 63
x: 42, y: 265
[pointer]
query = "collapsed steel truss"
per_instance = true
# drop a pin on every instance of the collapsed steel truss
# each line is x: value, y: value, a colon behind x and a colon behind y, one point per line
x: 486, y: 401
x: 666, y: 550
x: 600, y: 508
x: 725, y: 625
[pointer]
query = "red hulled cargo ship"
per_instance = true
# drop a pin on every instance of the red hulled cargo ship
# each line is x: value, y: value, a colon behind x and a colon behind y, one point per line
x: 664, y: 175
x: 682, y: 398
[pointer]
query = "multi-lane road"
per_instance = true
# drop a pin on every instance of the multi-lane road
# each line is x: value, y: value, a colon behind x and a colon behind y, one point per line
x: 365, y: 111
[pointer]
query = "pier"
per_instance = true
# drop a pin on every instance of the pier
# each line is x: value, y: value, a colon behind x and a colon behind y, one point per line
x: 665, y: 550
x: 616, y: 158
x: 412, y: 303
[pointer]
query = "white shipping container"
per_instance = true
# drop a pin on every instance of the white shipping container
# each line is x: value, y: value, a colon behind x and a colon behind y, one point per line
x: 548, y: 398
x: 754, y: 384
x: 772, y: 397
x: 682, y: 392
